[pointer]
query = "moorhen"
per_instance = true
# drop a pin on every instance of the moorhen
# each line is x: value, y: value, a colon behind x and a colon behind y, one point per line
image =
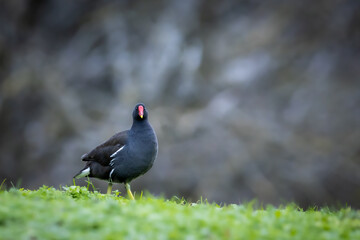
x: 126, y: 155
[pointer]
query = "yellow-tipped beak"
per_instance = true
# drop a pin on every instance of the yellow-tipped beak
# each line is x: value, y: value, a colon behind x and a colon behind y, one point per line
x: 141, y: 111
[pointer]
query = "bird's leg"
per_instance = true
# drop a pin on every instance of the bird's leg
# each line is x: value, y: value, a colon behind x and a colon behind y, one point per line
x: 109, y: 188
x: 127, y: 186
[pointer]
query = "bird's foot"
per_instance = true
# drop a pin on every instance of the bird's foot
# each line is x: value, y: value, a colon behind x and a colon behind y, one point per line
x: 109, y: 188
x: 128, y: 190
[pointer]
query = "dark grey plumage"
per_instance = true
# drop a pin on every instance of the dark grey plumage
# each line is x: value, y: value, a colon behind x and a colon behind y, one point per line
x: 126, y: 155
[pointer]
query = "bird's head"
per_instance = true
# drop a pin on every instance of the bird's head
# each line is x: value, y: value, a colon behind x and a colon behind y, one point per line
x: 140, y: 113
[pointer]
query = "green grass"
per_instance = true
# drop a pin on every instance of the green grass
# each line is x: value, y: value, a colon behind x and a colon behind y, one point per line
x: 77, y: 213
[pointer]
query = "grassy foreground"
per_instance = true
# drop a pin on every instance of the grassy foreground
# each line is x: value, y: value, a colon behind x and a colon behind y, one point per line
x: 76, y: 213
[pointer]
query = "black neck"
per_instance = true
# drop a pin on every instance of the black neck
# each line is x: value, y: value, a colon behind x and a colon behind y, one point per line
x: 139, y: 124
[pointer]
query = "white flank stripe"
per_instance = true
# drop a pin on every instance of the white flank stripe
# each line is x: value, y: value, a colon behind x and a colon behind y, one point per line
x: 113, y: 155
x: 111, y: 173
x: 84, y: 173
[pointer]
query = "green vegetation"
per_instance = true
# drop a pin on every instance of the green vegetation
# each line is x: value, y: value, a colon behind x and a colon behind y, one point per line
x: 77, y: 213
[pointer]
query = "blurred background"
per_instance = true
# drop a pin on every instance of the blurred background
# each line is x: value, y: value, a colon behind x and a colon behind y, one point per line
x: 249, y: 99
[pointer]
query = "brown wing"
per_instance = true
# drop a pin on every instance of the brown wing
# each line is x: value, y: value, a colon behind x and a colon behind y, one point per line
x: 102, y: 153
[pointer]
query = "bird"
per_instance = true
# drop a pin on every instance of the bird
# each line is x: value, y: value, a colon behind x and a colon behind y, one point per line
x: 126, y: 155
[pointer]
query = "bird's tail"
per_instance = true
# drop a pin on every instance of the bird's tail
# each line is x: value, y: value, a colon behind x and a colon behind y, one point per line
x: 83, y: 173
